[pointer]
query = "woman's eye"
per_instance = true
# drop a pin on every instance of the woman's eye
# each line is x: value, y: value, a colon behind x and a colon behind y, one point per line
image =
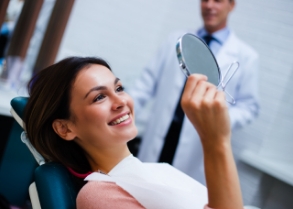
x: 120, y: 88
x: 99, y: 97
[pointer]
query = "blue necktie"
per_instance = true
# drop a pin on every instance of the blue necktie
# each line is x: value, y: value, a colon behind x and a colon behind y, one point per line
x: 208, y: 39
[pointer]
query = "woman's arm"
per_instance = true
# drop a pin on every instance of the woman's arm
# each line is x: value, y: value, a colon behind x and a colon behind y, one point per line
x: 206, y: 108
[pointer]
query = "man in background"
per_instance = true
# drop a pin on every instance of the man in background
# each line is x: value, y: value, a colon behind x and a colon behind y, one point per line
x: 169, y: 135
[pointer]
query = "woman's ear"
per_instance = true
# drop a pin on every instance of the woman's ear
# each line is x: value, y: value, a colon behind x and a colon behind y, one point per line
x: 62, y: 128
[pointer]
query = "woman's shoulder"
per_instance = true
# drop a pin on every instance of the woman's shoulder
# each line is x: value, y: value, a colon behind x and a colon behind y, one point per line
x: 106, y: 195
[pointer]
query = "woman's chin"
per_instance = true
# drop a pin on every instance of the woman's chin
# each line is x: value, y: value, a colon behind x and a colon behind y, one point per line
x: 129, y: 134
x: 133, y: 134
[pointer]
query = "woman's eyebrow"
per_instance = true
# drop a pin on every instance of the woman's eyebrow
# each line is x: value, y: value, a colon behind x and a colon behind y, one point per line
x: 97, y: 88
x: 116, y: 80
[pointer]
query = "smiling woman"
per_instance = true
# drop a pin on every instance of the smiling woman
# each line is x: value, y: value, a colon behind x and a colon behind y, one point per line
x: 50, y: 93
x: 102, y: 121
x: 79, y: 115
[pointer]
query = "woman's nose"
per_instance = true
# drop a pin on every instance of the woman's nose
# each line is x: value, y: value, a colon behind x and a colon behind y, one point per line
x: 119, y: 101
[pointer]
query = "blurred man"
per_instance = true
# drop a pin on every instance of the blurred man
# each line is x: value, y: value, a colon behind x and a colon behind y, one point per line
x: 169, y: 136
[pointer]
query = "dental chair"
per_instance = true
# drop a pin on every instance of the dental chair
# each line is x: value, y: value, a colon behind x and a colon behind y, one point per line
x: 53, y: 185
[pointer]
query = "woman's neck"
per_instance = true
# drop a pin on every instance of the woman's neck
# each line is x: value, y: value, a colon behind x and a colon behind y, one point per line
x: 105, y: 160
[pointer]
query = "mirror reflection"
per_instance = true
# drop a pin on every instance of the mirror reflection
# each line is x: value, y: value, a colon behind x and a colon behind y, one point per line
x: 194, y: 56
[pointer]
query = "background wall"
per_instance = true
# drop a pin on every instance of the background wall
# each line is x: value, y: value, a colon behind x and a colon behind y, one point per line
x: 128, y: 33
x: 267, y: 25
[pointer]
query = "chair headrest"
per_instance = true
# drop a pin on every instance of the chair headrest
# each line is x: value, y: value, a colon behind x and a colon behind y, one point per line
x: 18, y: 106
x: 17, y: 110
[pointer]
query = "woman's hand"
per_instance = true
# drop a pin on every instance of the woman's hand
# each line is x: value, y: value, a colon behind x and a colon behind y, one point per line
x: 206, y: 108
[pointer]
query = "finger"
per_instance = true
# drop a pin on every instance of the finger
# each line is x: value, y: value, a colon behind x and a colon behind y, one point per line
x: 209, y: 95
x: 191, y: 83
x: 222, y: 109
x: 196, y: 98
x: 220, y: 99
x: 200, y: 90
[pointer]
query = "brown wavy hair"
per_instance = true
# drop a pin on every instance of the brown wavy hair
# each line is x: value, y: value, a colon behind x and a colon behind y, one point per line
x: 50, y: 92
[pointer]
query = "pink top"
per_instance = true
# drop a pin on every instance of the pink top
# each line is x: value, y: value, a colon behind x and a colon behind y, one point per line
x: 106, y: 195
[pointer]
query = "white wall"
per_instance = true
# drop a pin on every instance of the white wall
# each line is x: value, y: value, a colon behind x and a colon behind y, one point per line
x: 268, y: 26
x: 127, y: 33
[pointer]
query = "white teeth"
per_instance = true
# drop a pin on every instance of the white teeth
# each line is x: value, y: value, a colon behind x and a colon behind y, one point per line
x: 120, y: 120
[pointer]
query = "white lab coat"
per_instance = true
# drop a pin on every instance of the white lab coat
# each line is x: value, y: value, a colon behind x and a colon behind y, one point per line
x: 163, y: 81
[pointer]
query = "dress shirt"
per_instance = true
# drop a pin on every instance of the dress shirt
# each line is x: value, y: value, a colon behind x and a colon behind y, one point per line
x: 219, y: 38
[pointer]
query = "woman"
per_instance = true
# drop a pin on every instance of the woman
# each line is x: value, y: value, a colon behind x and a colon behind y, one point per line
x: 79, y: 115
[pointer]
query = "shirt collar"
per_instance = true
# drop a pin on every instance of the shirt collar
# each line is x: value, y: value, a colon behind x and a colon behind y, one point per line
x: 220, y: 35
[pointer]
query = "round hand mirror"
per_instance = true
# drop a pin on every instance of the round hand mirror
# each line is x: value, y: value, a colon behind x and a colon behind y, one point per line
x: 194, y: 56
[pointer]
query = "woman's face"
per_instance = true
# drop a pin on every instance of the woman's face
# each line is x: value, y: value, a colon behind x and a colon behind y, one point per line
x: 101, y: 112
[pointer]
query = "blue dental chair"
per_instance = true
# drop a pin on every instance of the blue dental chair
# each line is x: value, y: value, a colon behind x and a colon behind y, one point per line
x: 53, y: 185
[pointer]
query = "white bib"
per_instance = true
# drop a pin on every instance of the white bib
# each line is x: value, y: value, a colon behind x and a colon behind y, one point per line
x: 155, y: 185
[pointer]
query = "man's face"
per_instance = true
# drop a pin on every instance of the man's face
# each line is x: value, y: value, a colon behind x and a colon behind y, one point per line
x: 215, y: 13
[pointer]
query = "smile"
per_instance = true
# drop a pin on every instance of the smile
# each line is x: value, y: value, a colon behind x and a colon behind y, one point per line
x: 120, y: 120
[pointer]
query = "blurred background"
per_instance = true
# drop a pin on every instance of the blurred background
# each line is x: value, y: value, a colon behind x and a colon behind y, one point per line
x: 127, y: 34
